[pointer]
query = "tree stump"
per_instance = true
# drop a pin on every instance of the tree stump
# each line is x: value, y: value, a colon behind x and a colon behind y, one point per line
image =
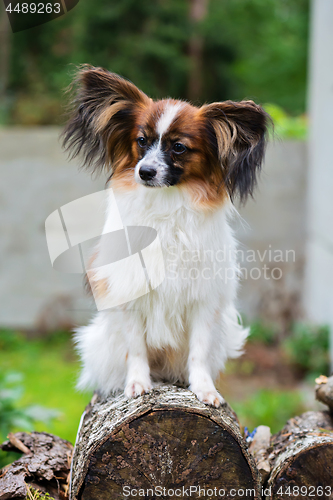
x: 161, y: 444
x: 302, y: 459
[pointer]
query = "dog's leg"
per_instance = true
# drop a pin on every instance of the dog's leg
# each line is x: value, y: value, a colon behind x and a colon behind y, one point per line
x: 138, y: 374
x: 201, y: 382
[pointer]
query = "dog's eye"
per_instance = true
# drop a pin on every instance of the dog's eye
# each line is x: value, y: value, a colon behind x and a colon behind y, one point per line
x: 179, y: 148
x: 142, y: 141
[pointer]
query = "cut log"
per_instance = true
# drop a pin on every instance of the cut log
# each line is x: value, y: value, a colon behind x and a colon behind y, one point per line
x: 260, y: 448
x: 302, y: 459
x: 161, y: 444
x: 324, y: 391
x: 44, y: 466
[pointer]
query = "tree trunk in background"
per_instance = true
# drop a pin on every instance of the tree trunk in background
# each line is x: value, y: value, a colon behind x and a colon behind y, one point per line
x: 165, y: 439
x: 5, y: 34
x: 198, y: 12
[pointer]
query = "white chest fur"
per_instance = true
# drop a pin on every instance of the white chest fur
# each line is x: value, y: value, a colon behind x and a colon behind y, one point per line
x: 199, y: 288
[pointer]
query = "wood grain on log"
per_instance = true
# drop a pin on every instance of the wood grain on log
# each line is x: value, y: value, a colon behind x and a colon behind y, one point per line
x: 302, y: 459
x: 45, y: 466
x: 164, y: 439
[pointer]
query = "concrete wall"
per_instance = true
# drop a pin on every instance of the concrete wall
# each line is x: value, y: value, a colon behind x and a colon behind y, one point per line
x: 36, y: 179
x: 319, y: 274
x: 275, y: 229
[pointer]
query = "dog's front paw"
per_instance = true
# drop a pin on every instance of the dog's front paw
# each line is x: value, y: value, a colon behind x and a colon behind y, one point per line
x: 134, y: 389
x: 208, y: 396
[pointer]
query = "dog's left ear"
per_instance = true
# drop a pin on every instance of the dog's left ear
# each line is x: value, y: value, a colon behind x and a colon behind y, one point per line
x: 240, y: 132
x: 103, y: 113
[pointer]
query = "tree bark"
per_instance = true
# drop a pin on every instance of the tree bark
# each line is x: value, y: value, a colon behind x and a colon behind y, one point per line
x: 302, y: 459
x: 44, y: 466
x: 164, y: 439
x: 5, y: 38
x: 198, y: 11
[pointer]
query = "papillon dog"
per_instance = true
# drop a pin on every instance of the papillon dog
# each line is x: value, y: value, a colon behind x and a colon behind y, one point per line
x: 176, y: 168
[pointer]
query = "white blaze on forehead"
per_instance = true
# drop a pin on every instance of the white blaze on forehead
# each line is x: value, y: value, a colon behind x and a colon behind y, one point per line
x: 154, y: 156
x: 169, y: 114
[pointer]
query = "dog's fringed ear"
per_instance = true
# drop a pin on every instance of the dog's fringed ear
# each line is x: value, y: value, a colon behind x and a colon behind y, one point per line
x: 102, y: 114
x: 240, y: 130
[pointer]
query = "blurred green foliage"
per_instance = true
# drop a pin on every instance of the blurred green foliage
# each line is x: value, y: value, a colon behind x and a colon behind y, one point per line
x: 12, y: 416
x: 263, y: 333
x: 269, y: 407
x: 271, y: 38
x: 48, y: 371
x: 307, y: 348
x: 286, y: 126
x: 251, y: 49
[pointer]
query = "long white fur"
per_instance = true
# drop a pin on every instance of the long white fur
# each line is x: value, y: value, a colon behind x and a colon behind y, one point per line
x: 194, y: 319
x: 186, y: 328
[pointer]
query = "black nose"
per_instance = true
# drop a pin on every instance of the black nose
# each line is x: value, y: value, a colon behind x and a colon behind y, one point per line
x: 147, y: 173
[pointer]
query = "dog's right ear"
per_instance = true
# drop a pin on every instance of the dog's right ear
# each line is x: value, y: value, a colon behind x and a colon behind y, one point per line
x: 103, y: 115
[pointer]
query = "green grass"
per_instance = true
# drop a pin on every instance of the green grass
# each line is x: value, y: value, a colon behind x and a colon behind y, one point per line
x: 49, y: 368
x: 267, y: 407
x: 33, y: 494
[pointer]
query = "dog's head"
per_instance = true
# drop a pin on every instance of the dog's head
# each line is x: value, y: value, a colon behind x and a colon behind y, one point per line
x: 214, y: 151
